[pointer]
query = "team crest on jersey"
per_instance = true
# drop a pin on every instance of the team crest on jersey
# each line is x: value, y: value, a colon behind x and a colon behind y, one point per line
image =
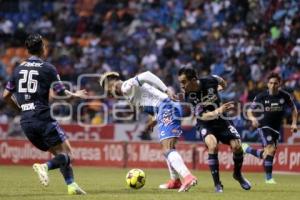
x: 281, y: 101
x: 210, y: 91
x: 269, y: 138
x: 203, y: 131
x: 268, y: 109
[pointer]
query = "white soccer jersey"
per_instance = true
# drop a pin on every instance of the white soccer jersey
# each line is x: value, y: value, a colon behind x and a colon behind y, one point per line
x: 139, y: 92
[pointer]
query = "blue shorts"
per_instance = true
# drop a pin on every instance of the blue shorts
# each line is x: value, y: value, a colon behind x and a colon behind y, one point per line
x: 44, y: 135
x: 169, y: 124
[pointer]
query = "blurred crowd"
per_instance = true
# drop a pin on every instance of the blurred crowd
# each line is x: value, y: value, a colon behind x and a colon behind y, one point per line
x: 240, y: 40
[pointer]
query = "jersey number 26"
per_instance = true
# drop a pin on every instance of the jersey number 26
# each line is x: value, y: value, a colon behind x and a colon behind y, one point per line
x: 27, y: 84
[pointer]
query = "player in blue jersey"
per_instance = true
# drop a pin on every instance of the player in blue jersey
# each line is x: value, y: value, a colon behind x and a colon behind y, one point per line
x: 28, y: 89
x: 272, y: 104
x: 147, y: 92
x: 203, y: 94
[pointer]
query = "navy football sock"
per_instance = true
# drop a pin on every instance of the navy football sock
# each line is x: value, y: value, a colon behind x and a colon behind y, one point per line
x: 238, y: 159
x: 255, y: 152
x: 213, y: 164
x: 67, y: 173
x: 268, y: 165
x: 58, y: 161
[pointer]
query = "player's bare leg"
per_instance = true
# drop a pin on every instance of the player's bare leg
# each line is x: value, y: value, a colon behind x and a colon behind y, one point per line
x: 213, y: 161
x: 238, y: 158
x: 177, y: 163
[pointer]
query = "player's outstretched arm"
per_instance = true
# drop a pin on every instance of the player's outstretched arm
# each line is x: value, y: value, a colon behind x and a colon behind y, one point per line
x: 9, y: 98
x: 252, y: 118
x: 294, y: 118
x: 222, y: 84
x: 150, y: 78
x: 217, y: 112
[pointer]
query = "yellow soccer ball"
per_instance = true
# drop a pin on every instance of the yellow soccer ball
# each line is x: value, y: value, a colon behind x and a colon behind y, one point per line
x: 136, y: 178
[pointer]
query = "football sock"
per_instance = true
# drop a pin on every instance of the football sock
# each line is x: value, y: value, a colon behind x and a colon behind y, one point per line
x: 177, y: 163
x: 63, y: 162
x: 67, y: 173
x: 268, y: 165
x: 255, y: 152
x: 57, y: 161
x: 213, y: 164
x: 173, y: 174
x: 238, y: 159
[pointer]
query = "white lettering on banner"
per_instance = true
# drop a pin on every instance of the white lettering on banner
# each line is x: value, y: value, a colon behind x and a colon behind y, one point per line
x: 283, y: 157
x: 150, y: 155
x: 132, y: 154
x: 294, y: 159
x: 25, y: 152
x: 82, y: 153
x: 225, y: 158
x: 113, y: 152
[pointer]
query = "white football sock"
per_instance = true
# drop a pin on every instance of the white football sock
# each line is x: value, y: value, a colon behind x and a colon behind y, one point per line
x: 173, y: 174
x: 177, y: 163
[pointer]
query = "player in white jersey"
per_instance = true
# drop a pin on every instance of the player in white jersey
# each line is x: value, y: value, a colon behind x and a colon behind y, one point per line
x: 150, y: 94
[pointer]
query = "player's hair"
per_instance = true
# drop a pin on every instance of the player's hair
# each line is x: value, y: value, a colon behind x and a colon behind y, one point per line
x: 34, y: 43
x: 108, y: 76
x: 189, y: 72
x: 274, y: 75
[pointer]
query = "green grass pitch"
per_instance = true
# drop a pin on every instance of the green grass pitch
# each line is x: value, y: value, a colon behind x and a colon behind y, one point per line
x: 105, y: 184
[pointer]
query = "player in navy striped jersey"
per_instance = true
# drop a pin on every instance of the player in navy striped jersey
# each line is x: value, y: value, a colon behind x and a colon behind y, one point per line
x: 273, y: 103
x: 203, y: 94
x: 28, y: 89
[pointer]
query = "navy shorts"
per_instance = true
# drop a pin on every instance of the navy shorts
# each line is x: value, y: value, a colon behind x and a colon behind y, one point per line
x: 44, y: 135
x: 268, y: 136
x: 222, y: 133
x: 168, y: 118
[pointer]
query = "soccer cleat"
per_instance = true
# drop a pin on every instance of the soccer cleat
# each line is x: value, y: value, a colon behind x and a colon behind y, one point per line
x: 219, y: 188
x: 245, y: 146
x: 74, y: 189
x: 42, y: 172
x: 188, y: 182
x: 245, y: 184
x: 171, y: 184
x: 270, y: 181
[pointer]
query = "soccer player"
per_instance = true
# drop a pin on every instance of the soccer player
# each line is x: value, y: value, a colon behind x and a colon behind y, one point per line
x: 272, y: 103
x: 147, y: 92
x: 203, y: 94
x: 28, y: 89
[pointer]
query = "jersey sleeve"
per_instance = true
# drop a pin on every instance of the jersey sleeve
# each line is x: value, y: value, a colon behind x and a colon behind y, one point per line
x: 11, y: 84
x: 55, y: 81
x: 256, y: 101
x: 288, y: 99
x: 129, y: 85
x: 210, y: 80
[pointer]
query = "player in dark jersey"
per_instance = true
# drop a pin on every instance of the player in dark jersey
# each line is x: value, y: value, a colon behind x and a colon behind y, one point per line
x: 271, y: 103
x: 28, y: 89
x: 203, y: 94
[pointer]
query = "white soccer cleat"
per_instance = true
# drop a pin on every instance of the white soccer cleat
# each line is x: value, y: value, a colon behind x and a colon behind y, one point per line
x: 42, y: 172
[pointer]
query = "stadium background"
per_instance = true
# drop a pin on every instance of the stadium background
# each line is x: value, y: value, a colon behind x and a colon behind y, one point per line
x: 242, y: 41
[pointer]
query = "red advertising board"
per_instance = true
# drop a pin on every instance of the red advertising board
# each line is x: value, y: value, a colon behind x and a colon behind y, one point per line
x: 145, y: 155
x: 21, y: 152
x: 287, y: 159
